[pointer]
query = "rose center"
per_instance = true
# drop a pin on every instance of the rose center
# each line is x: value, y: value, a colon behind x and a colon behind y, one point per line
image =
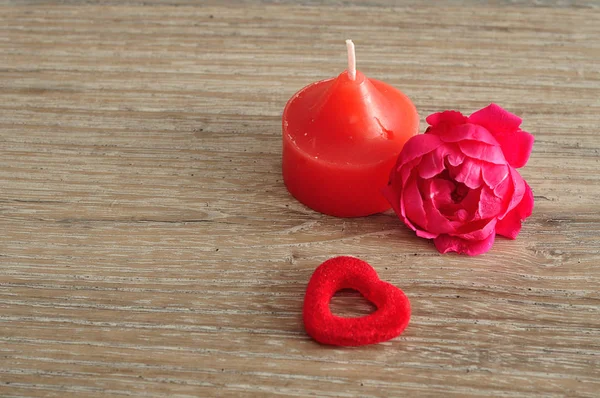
x: 459, y: 193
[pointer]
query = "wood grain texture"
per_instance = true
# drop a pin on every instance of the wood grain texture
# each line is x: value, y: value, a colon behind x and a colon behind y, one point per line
x: 149, y: 247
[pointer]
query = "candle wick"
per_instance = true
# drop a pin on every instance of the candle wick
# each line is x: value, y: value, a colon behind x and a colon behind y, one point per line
x: 351, y: 60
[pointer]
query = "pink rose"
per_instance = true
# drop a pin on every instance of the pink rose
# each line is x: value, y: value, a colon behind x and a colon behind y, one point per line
x: 458, y: 185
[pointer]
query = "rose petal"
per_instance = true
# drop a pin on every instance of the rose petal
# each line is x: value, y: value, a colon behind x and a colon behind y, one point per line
x: 496, y: 119
x: 477, y: 230
x: 491, y: 205
x: 494, y: 174
x: 407, y: 168
x: 455, y: 156
x: 467, y: 131
x: 417, y: 146
x: 462, y: 215
x: 517, y: 147
x: 505, y: 188
x: 469, y: 174
x: 450, y: 210
x: 478, y: 150
x: 510, y: 225
x: 445, y: 244
x: 432, y: 163
x: 516, y: 144
x: 399, y: 210
x: 519, y: 188
x: 436, y: 222
x: 449, y: 117
x: 425, y: 234
x: 394, y: 193
x: 440, y: 191
x: 413, y: 204
x: 471, y: 204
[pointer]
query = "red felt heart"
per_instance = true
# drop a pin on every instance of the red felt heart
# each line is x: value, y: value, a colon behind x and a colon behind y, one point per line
x: 388, y: 321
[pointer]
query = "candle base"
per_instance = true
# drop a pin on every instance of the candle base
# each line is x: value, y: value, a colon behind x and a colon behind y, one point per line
x: 339, y: 192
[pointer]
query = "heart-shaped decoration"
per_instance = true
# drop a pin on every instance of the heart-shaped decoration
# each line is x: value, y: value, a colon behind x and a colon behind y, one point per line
x: 388, y: 321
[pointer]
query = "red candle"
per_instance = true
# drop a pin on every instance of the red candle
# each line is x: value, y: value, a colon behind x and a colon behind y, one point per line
x: 341, y: 138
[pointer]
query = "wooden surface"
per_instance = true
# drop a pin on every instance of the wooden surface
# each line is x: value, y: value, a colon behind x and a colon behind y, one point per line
x: 149, y: 247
